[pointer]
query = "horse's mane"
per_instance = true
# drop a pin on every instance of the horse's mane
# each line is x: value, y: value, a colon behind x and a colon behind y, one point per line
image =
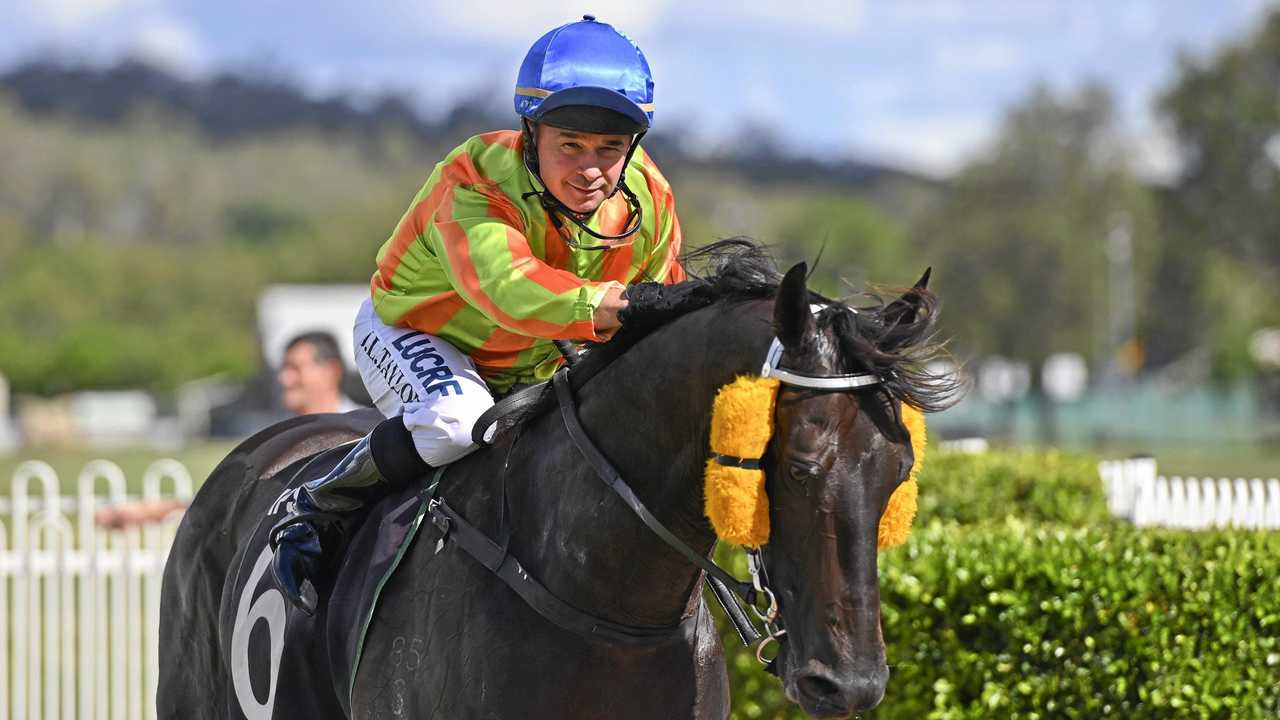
x: 875, y: 337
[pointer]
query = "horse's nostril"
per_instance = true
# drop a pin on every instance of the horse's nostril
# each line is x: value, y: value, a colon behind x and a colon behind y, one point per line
x: 817, y: 687
x: 823, y: 695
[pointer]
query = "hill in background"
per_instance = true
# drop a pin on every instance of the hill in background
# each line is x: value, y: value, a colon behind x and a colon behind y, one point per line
x: 235, y: 107
x: 142, y: 213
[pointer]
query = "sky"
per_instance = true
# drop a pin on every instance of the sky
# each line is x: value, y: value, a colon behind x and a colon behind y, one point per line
x: 917, y: 83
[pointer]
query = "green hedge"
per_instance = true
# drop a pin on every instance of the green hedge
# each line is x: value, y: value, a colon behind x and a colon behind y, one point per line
x: 1037, y: 485
x: 1036, y: 621
x: 1021, y: 620
x: 1024, y: 618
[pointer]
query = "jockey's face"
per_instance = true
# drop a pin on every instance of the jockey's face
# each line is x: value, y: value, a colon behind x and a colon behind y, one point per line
x: 580, y: 169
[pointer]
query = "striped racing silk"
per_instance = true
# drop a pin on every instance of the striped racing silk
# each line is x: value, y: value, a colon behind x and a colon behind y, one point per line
x: 477, y: 264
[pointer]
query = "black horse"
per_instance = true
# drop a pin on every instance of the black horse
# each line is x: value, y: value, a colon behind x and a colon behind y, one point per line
x: 451, y: 640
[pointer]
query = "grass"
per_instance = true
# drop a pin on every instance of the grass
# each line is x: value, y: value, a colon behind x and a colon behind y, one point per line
x: 1243, y: 460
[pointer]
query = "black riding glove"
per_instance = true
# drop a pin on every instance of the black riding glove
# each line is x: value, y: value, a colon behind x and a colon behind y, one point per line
x: 650, y: 304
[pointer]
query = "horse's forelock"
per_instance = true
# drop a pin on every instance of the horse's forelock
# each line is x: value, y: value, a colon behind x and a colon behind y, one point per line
x: 899, y: 352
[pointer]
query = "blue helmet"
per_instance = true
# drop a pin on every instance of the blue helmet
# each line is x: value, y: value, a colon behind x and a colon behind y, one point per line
x: 584, y: 66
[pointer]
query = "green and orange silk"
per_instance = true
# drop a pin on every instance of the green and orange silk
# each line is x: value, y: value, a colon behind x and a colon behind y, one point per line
x: 477, y: 264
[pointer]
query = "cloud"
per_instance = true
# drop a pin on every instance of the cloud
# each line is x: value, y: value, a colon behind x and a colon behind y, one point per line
x: 169, y: 43
x: 977, y: 56
x: 508, y: 21
x: 820, y: 17
x: 876, y: 92
x: 64, y: 16
x: 512, y: 20
x: 1138, y: 19
x: 937, y: 145
x: 955, y: 13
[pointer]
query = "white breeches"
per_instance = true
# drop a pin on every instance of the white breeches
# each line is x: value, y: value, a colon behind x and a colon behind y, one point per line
x: 433, y: 385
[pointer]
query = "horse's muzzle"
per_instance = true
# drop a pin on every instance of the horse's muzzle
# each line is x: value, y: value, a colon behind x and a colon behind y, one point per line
x: 824, y: 693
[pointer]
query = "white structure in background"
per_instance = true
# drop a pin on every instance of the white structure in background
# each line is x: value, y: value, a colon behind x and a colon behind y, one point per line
x: 8, y: 437
x: 1264, y: 345
x: 113, y: 418
x: 966, y: 446
x: 285, y: 311
x: 1135, y: 492
x: 79, y: 605
x: 1000, y: 379
x: 1065, y: 376
x: 197, y: 398
x: 94, y: 418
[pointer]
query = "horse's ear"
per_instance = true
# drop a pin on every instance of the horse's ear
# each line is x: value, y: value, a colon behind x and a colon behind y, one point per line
x: 792, y: 319
x: 906, y: 308
x: 904, y: 312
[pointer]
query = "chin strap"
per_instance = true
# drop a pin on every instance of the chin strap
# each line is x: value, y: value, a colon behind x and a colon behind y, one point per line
x: 555, y: 209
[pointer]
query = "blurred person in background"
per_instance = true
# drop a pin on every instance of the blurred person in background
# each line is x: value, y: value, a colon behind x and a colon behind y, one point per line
x: 560, y: 231
x: 310, y: 375
x: 310, y: 378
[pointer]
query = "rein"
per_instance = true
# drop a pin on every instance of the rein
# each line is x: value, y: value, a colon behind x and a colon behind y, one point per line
x: 727, y: 589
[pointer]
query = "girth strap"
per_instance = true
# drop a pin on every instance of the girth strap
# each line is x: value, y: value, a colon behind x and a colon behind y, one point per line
x: 508, y: 568
x: 611, y: 478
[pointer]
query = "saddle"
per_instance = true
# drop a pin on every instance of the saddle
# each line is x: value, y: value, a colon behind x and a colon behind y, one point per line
x: 508, y: 412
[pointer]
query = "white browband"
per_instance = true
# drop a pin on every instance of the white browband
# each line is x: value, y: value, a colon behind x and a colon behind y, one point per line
x: 823, y: 382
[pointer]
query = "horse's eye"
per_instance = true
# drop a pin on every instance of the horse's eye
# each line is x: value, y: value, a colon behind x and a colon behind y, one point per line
x: 804, y: 470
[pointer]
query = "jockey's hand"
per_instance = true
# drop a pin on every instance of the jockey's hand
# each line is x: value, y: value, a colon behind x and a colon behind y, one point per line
x: 605, y: 317
x: 652, y: 304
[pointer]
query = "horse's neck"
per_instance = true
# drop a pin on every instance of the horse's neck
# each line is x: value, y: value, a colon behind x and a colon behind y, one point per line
x: 649, y: 413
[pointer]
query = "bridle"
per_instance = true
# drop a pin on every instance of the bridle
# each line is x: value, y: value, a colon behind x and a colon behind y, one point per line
x: 731, y: 592
x: 770, y: 617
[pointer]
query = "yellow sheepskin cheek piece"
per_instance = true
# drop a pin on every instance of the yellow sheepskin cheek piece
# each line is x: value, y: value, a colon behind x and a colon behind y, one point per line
x: 895, y: 523
x: 737, y: 504
x: 741, y: 425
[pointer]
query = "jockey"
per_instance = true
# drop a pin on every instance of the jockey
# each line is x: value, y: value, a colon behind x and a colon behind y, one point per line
x: 517, y: 239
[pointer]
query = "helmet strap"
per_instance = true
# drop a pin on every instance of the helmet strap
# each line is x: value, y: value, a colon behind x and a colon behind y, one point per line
x: 555, y: 208
x: 530, y: 147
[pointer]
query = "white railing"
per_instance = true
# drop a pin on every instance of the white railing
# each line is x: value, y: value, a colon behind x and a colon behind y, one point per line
x: 80, y: 605
x: 1136, y: 492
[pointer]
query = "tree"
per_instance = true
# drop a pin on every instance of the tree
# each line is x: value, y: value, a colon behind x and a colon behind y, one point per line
x: 1021, y: 241
x: 1226, y: 113
x: 1224, y: 228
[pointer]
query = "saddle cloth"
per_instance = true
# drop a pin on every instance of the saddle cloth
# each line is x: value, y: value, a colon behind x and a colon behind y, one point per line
x: 335, y: 635
x: 367, y: 565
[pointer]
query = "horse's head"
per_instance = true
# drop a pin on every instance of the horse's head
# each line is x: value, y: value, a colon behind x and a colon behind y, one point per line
x: 835, y: 459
